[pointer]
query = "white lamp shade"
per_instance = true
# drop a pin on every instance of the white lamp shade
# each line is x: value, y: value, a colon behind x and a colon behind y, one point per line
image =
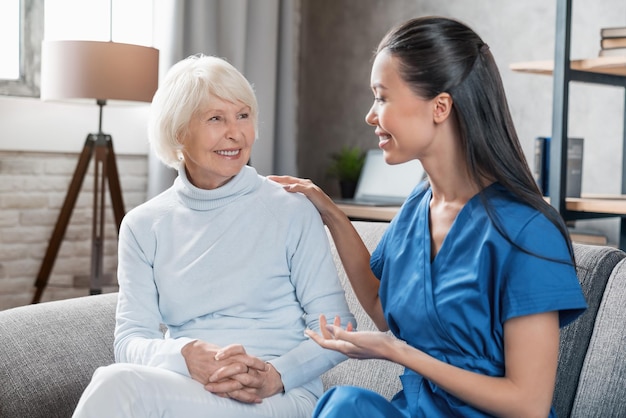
x: 98, y: 70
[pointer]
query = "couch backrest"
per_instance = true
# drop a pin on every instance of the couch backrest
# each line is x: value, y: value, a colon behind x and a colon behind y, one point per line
x: 46, y: 358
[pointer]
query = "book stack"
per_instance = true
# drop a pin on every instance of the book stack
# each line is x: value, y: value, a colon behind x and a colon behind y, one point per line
x: 613, y: 42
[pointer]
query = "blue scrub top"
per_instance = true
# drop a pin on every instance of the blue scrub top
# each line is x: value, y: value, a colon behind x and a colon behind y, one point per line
x: 454, y: 307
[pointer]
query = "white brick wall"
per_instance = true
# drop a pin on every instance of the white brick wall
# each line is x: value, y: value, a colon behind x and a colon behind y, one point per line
x: 32, y: 190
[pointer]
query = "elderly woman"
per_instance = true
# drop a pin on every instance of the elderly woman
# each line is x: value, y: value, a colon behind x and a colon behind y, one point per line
x: 233, y: 266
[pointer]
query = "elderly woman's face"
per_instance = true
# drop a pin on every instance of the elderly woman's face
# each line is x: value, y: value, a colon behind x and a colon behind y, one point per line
x: 218, y: 143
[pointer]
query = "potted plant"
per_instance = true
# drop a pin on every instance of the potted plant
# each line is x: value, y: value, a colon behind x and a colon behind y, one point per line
x: 345, y: 166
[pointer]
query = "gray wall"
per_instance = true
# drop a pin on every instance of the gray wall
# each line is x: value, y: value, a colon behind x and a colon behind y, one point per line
x: 339, y: 36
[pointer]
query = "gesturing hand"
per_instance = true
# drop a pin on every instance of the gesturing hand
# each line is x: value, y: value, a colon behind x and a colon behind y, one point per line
x: 257, y: 381
x: 354, y: 344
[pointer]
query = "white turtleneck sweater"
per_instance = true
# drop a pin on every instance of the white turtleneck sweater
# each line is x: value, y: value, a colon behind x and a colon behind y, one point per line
x: 247, y: 263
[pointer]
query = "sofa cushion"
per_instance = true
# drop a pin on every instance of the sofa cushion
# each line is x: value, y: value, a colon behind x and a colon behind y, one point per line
x: 595, y: 264
x: 31, y: 337
x: 602, y: 388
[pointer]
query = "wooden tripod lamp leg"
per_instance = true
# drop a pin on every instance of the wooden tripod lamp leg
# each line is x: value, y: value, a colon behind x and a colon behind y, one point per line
x: 105, y: 172
x: 63, y: 220
x: 114, y: 184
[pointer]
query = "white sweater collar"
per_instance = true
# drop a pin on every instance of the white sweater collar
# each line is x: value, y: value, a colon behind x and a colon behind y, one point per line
x: 245, y: 182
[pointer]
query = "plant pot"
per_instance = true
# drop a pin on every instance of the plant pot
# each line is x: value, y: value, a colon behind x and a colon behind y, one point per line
x: 347, y: 188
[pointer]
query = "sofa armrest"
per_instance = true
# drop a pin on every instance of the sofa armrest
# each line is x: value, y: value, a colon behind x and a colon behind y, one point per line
x: 602, y: 384
x: 594, y: 266
x: 49, y: 352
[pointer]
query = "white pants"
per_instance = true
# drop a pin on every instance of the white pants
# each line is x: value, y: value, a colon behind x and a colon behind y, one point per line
x: 134, y: 391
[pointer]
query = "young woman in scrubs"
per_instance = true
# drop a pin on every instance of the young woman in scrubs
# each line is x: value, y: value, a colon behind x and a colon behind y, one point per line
x: 475, y: 274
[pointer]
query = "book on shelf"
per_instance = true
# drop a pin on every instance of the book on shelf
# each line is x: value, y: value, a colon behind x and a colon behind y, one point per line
x: 613, y: 52
x: 615, y: 32
x: 541, y: 168
x: 608, y: 43
x: 574, y: 167
x: 542, y: 163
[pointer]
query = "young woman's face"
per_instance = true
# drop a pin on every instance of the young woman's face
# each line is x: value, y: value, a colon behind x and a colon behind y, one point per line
x: 218, y: 143
x: 404, y: 121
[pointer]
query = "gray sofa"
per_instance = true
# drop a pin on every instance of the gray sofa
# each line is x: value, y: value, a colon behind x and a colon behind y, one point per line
x: 49, y: 351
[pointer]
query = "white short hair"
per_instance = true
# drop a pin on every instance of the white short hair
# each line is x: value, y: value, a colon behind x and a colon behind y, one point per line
x: 187, y: 88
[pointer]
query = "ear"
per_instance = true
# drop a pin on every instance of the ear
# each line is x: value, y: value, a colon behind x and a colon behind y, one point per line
x: 442, y: 107
x: 181, y: 135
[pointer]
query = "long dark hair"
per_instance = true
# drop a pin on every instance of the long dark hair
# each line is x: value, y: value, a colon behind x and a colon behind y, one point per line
x: 437, y: 55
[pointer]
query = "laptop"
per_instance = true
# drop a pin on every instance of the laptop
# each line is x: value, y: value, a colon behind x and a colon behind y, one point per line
x: 382, y: 184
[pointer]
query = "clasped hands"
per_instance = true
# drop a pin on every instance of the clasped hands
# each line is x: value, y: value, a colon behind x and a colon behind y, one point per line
x: 230, y: 372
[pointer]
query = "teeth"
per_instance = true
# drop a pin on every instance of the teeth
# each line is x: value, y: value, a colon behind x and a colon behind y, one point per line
x: 228, y: 153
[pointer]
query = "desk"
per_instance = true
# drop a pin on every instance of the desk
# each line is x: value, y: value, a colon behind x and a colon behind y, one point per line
x: 369, y: 213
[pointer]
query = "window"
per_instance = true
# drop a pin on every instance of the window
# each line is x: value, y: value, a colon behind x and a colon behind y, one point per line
x: 10, y: 47
x: 99, y: 20
x: 23, y: 59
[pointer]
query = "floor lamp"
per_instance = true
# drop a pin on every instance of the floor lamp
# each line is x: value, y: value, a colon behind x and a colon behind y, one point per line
x: 96, y: 71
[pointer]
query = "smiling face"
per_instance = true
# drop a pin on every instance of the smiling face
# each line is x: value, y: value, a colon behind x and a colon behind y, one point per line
x: 218, y: 143
x: 404, y: 121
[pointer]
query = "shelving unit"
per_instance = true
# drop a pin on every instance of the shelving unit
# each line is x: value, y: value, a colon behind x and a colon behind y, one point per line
x: 602, y: 70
